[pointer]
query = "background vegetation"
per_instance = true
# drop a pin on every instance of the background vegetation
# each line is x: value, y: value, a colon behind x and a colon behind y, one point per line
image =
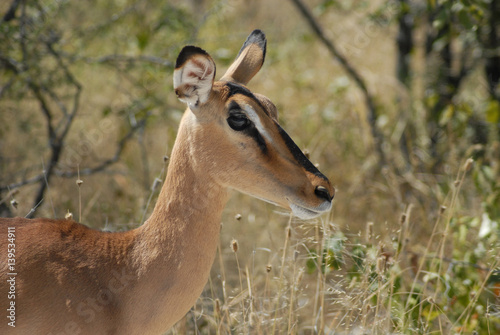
x: 397, y: 101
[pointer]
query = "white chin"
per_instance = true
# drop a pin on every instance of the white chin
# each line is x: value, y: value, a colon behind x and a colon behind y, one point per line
x: 303, y: 213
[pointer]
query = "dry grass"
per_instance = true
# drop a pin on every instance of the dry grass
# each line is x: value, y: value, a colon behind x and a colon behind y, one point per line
x: 399, y: 253
x: 377, y: 281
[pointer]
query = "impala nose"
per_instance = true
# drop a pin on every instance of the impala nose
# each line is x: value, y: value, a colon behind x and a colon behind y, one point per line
x: 322, y: 192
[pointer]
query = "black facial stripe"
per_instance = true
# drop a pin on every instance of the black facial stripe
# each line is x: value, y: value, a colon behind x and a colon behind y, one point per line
x: 254, y: 133
x: 251, y: 131
x: 238, y: 89
x: 298, y: 154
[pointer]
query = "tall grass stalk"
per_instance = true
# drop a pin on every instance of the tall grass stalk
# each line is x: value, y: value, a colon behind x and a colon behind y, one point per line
x: 288, y: 232
x: 319, y: 298
x: 451, y: 212
x: 79, y: 183
x: 234, y: 247
x: 468, y: 310
x: 223, y: 281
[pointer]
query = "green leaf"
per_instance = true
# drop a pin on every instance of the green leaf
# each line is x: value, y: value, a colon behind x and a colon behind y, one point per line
x: 312, y: 261
x: 431, y: 315
x: 358, y: 255
x: 446, y: 115
x: 333, y: 260
x: 493, y: 112
x: 106, y: 111
x: 142, y: 39
x: 465, y: 20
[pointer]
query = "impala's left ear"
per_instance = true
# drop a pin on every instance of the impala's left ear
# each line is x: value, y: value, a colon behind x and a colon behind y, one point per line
x: 249, y: 59
x: 193, y: 76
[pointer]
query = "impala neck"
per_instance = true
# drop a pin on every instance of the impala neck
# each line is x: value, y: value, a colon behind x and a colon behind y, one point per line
x: 184, y: 226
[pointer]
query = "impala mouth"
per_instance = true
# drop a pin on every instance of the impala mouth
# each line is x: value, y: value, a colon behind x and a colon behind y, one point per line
x: 305, y: 213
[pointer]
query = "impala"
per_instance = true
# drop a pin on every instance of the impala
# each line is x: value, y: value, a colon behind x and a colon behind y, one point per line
x: 70, y: 279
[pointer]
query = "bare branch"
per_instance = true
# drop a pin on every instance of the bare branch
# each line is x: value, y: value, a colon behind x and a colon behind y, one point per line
x: 8, y: 196
x: 405, y: 44
x: 44, y: 106
x: 10, y: 64
x: 11, y: 13
x: 53, y: 95
x: 56, y: 140
x: 75, y: 83
x: 22, y: 183
x: 56, y: 150
x: 109, y: 59
x: 86, y: 171
x: 116, y: 157
x: 369, y: 101
x: 6, y: 87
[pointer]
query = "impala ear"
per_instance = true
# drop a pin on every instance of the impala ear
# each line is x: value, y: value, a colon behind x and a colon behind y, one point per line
x: 249, y: 59
x: 193, y: 76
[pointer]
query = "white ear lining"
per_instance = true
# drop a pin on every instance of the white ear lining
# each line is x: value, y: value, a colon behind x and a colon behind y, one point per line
x: 193, y: 81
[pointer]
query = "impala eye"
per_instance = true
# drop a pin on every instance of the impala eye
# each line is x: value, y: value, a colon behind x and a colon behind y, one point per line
x: 238, y: 121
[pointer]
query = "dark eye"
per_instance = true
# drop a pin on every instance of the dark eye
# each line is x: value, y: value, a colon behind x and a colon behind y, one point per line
x: 238, y: 121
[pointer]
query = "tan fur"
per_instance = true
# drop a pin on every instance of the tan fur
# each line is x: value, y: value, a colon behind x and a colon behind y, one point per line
x: 246, y: 66
x: 74, y: 280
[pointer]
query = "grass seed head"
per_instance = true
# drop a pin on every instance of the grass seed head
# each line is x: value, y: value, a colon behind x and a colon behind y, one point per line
x: 253, y: 319
x: 369, y: 231
x: 380, y: 267
x: 156, y: 182
x: 300, y: 276
x: 237, y: 217
x: 79, y: 182
x: 269, y: 267
x: 234, y: 245
x: 68, y: 216
x: 468, y: 164
x: 217, y: 307
x: 14, y: 203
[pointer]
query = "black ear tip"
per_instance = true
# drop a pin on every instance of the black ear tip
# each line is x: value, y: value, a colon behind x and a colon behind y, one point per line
x: 257, y: 37
x: 187, y: 52
x: 258, y: 34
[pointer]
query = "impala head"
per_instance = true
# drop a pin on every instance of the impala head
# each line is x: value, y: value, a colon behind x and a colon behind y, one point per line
x: 235, y: 136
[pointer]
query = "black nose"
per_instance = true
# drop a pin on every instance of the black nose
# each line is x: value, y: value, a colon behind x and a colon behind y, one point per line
x: 322, y: 192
